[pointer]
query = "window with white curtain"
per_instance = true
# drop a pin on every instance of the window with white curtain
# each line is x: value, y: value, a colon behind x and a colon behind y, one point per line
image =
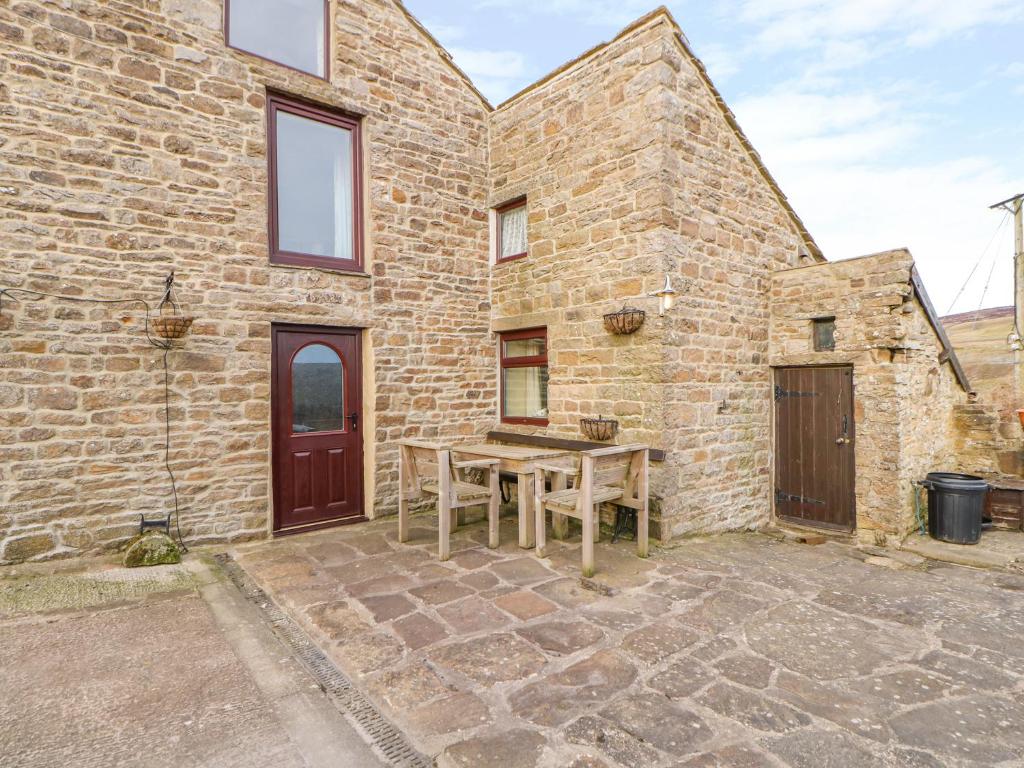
x: 289, y: 32
x: 314, y: 170
x: 524, y: 376
x: 511, y: 230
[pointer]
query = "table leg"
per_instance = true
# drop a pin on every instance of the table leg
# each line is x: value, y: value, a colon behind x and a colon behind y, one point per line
x: 526, y: 518
x: 559, y: 523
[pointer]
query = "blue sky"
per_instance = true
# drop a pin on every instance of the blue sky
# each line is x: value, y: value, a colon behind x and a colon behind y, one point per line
x: 887, y: 122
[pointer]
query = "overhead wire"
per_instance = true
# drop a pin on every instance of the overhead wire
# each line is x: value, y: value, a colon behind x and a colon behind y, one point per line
x: 1002, y: 223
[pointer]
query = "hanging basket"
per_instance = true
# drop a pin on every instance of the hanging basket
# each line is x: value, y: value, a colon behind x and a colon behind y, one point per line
x: 627, y: 320
x: 172, y: 327
x: 599, y: 429
x: 169, y: 323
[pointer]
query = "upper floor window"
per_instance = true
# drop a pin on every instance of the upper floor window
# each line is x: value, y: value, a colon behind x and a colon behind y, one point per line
x: 290, y: 32
x: 524, y: 376
x: 315, y: 185
x: 511, y: 220
x: 824, y: 333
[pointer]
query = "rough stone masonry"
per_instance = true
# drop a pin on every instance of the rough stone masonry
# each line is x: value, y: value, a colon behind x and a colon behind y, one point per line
x: 133, y: 140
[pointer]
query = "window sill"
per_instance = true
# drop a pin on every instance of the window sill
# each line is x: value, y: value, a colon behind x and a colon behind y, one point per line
x: 525, y: 421
x: 507, y: 259
x: 321, y: 266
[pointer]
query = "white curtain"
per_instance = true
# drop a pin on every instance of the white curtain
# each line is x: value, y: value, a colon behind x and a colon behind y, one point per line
x: 513, y: 232
x: 343, y: 213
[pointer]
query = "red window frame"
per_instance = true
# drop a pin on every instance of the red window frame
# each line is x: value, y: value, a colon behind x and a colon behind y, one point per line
x: 530, y: 361
x: 500, y: 211
x: 278, y: 102
x: 327, y: 43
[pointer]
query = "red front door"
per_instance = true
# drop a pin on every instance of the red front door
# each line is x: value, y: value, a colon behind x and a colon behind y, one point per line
x: 317, y: 403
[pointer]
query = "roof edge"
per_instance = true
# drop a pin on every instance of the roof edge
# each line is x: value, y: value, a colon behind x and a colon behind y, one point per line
x: 589, y: 53
x: 443, y: 52
x: 663, y: 13
x: 933, y: 318
x: 730, y: 118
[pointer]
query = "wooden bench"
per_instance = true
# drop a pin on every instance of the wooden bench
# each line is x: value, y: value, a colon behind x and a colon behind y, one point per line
x: 431, y: 469
x: 616, y: 474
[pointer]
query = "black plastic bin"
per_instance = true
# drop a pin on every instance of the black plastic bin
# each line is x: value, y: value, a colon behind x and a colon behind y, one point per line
x: 956, y: 504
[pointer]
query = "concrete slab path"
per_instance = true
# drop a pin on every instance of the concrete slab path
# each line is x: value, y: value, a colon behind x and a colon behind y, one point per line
x: 165, y: 666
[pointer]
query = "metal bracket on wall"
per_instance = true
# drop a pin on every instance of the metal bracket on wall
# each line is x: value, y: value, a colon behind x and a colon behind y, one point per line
x: 780, y: 393
x: 781, y: 497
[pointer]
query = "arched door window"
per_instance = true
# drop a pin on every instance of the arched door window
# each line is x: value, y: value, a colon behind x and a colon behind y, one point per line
x: 318, y: 390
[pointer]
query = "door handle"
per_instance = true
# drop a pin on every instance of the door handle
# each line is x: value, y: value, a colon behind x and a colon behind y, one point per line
x: 355, y: 421
x: 842, y: 440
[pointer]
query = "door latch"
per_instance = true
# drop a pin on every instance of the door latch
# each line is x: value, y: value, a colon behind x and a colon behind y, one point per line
x: 355, y: 421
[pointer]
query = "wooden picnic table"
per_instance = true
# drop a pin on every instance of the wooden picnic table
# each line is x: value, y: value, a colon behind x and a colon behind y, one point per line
x: 519, y: 460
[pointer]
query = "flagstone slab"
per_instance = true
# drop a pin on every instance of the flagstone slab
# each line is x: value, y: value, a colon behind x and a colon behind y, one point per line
x: 823, y: 644
x: 440, y: 592
x: 336, y: 620
x: 481, y: 581
x: 752, y: 709
x: 418, y: 631
x: 490, y: 659
x: 522, y: 571
x: 387, y: 607
x: 977, y: 728
x: 561, y: 637
x: 732, y: 756
x: 624, y: 748
x: 407, y: 687
x: 518, y: 748
x: 657, y: 642
x: 682, y: 679
x: 568, y: 593
x: 664, y: 724
x: 817, y: 749
x: 457, y: 712
x: 746, y: 669
x: 473, y: 614
x: 525, y: 605
x: 582, y: 686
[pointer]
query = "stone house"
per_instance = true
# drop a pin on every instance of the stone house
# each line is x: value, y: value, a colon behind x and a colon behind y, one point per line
x: 344, y: 211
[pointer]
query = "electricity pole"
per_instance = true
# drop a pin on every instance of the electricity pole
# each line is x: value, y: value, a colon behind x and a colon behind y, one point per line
x: 1015, y: 205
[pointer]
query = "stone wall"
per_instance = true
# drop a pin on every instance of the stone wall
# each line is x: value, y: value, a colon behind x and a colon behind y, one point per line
x: 133, y: 141
x: 586, y: 148
x: 904, y: 396
x: 729, y: 228
x: 632, y: 173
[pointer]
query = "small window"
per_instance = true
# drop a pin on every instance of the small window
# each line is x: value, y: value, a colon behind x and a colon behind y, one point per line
x: 824, y: 334
x: 289, y: 32
x: 315, y: 200
x: 511, y: 219
x: 524, y: 377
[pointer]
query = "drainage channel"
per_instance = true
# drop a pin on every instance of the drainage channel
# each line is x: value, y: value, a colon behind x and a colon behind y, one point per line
x: 374, y: 727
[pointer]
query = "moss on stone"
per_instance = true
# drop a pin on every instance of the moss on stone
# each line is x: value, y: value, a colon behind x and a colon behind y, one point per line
x: 152, y: 548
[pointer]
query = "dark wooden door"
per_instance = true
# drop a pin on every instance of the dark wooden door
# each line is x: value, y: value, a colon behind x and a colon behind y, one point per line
x: 318, y: 455
x: 814, y: 446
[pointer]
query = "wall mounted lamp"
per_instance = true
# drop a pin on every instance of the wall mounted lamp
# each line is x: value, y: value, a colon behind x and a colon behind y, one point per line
x: 666, y: 297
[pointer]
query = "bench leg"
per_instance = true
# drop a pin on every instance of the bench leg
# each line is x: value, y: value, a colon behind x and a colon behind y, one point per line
x: 588, y: 541
x: 493, y: 508
x: 539, y: 518
x: 526, y: 512
x: 444, y: 522
x: 559, y: 523
x: 403, y: 502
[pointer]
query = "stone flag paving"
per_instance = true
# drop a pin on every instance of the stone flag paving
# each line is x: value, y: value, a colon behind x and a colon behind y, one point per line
x: 740, y: 651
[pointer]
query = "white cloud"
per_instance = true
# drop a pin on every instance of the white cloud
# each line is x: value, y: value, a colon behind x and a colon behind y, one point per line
x: 499, y: 74
x: 858, y: 28
x: 841, y: 159
x: 589, y: 12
